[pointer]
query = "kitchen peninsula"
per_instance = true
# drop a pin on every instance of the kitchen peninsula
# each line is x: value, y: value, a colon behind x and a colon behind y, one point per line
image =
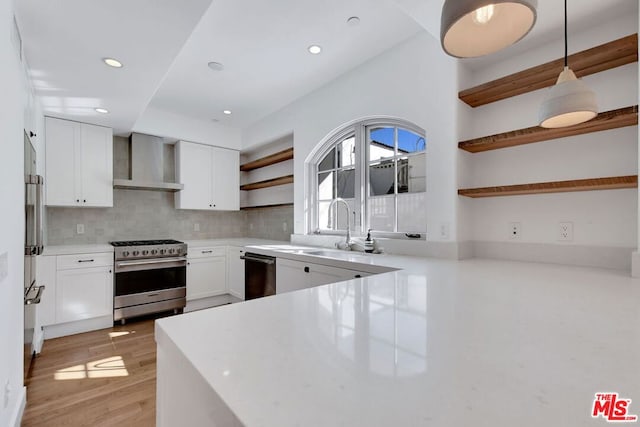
x: 432, y: 343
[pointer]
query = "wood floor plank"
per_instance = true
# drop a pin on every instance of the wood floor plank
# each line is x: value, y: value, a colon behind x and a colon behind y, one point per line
x: 111, y: 379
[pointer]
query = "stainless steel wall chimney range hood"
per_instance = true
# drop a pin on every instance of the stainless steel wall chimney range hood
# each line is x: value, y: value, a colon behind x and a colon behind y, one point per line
x: 147, y: 166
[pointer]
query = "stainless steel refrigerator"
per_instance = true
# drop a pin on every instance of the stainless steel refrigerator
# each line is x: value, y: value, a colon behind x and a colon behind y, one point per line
x: 33, y: 241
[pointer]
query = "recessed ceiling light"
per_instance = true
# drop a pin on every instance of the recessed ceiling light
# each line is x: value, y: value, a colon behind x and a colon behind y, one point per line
x: 215, y: 66
x: 353, y: 21
x: 112, y: 62
x: 314, y: 49
x: 227, y: 112
x: 102, y: 110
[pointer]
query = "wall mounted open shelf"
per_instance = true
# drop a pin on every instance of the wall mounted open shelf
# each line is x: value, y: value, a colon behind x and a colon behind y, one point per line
x: 277, y: 205
x: 282, y: 180
x: 272, y: 159
x: 600, y: 58
x: 613, y: 119
x: 590, y: 184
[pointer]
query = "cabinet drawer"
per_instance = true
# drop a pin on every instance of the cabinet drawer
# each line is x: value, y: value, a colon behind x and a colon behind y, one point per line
x: 68, y: 262
x: 207, y: 252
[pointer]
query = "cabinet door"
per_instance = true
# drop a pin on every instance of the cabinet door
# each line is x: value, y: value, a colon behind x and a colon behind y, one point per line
x: 291, y: 275
x: 226, y: 179
x: 61, y: 158
x: 96, y: 166
x: 206, y: 277
x: 193, y: 170
x: 83, y: 293
x: 235, y: 272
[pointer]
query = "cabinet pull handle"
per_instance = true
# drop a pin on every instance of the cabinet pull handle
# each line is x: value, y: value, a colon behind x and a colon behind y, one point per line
x: 357, y: 276
x: 86, y: 260
x: 306, y: 269
x: 84, y: 201
x: 77, y: 200
x: 207, y: 252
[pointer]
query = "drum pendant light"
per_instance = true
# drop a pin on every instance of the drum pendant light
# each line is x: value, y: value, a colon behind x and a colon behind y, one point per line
x: 570, y: 101
x: 471, y: 28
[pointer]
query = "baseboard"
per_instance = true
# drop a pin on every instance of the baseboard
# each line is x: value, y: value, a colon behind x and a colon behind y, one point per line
x: 21, y: 403
x: 38, y: 339
x: 71, y: 328
x: 585, y: 256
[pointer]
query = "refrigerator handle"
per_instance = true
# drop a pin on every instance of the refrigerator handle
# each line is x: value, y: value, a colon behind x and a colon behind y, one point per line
x: 39, y: 215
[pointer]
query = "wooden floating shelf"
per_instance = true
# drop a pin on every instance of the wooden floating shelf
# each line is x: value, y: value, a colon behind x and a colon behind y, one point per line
x: 278, y: 205
x: 272, y: 159
x: 268, y: 183
x: 613, y: 119
x: 591, y: 184
x: 600, y: 58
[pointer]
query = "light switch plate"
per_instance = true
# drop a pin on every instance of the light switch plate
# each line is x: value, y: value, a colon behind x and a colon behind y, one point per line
x: 4, y: 266
x: 80, y: 228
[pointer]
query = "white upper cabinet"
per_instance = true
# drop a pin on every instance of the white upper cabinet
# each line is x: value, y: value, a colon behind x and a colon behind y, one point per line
x: 210, y: 175
x: 79, y: 164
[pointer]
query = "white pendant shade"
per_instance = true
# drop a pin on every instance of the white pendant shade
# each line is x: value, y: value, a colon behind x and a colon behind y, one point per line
x: 568, y: 103
x: 471, y: 28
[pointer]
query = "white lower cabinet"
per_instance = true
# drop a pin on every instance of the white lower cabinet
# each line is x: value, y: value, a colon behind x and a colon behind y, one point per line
x: 296, y: 275
x: 235, y: 271
x: 206, y: 272
x: 84, y: 293
x: 78, y: 294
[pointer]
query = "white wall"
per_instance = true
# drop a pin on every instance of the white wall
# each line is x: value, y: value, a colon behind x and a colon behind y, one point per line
x: 601, y: 218
x: 175, y: 126
x: 11, y: 219
x: 415, y: 81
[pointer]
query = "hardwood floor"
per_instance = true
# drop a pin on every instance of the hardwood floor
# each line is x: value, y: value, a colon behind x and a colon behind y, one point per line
x: 100, y: 378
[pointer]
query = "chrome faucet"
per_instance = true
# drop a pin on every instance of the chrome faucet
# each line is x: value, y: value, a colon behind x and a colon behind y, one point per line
x: 347, y: 244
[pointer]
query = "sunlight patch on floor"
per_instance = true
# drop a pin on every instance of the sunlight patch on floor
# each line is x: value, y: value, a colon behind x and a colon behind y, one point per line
x: 119, y: 334
x: 104, y: 368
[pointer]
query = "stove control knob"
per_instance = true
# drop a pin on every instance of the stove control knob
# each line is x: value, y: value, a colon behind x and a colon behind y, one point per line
x: 162, y: 251
x: 145, y: 252
x: 171, y: 251
x: 125, y: 253
x: 136, y: 253
x: 153, y: 251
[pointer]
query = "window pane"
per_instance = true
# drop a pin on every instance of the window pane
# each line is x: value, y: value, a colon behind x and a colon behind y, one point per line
x: 346, y: 183
x: 329, y: 161
x: 382, y: 213
x: 409, y: 142
x: 325, y: 186
x: 381, y: 143
x: 381, y: 178
x: 417, y: 174
x: 412, y: 212
x: 323, y: 215
x: 347, y: 152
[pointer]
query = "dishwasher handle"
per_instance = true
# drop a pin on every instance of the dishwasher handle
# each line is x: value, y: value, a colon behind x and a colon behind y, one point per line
x: 269, y: 261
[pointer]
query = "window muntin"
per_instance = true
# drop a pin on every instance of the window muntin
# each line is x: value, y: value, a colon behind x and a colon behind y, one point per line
x: 379, y: 168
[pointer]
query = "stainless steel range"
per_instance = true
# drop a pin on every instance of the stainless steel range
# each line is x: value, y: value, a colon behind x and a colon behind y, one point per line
x: 150, y: 277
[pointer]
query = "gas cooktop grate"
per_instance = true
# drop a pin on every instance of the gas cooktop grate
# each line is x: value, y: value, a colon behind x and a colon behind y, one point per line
x: 145, y: 242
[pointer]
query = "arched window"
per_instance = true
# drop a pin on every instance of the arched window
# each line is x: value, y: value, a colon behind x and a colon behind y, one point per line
x: 379, y: 167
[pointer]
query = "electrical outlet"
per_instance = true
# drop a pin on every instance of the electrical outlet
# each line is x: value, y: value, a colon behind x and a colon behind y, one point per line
x: 515, y: 230
x: 7, y: 394
x: 196, y: 227
x: 80, y: 228
x: 444, y: 231
x: 4, y: 266
x: 284, y: 226
x: 565, y: 232
x: 250, y: 226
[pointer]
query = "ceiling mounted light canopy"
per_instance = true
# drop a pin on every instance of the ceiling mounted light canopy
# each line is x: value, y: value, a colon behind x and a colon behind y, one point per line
x: 570, y: 101
x: 472, y: 28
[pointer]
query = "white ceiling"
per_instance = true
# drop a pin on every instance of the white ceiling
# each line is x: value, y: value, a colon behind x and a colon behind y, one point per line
x: 166, y: 44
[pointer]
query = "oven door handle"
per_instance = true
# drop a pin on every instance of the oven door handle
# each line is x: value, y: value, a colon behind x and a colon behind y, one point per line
x: 149, y: 264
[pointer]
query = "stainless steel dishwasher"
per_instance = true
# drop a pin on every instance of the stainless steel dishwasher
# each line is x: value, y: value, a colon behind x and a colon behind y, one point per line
x: 259, y: 275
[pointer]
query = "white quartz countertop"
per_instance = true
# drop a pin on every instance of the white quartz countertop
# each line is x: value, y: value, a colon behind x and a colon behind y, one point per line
x: 77, y: 249
x: 435, y: 343
x: 237, y: 241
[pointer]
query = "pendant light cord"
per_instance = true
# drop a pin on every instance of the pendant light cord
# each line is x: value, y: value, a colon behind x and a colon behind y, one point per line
x: 566, y: 44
